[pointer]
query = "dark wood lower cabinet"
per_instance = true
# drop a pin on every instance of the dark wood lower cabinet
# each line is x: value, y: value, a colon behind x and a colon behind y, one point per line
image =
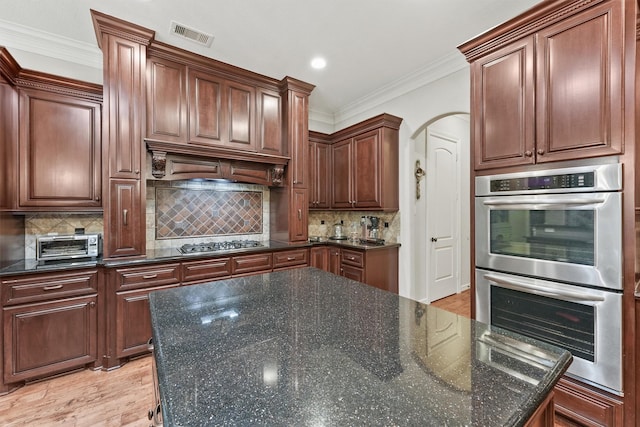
x: 577, y: 404
x: 375, y: 266
x: 133, y: 321
x: 46, y: 338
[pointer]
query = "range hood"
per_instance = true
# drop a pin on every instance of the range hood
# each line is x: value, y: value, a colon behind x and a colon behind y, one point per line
x: 172, y: 161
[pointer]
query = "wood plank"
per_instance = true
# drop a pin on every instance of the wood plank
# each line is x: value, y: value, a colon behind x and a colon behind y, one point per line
x: 121, y: 397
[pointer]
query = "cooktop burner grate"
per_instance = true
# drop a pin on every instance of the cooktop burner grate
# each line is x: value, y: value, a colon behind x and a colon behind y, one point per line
x: 219, y: 246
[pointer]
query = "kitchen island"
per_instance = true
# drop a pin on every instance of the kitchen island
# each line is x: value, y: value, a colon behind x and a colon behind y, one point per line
x: 306, y: 347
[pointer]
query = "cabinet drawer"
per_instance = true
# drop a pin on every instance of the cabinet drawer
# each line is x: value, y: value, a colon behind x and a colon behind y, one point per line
x: 143, y: 277
x: 43, y: 287
x: 352, y: 258
x: 206, y: 270
x: 289, y: 258
x: 252, y: 263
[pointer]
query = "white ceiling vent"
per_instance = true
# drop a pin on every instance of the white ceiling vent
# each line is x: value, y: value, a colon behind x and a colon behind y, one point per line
x: 191, y: 34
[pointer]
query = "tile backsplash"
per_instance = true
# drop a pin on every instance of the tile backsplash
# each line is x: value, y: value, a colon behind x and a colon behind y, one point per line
x: 352, y: 219
x: 60, y: 223
x: 180, y: 212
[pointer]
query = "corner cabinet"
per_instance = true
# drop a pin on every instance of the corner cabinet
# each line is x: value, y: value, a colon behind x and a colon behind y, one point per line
x: 528, y: 105
x: 364, y: 162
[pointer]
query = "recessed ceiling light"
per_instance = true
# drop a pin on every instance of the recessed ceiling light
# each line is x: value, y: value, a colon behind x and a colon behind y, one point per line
x: 318, y: 63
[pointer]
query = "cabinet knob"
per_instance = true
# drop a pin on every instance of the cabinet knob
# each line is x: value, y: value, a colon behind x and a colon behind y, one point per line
x: 540, y: 151
x: 137, y: 171
x: 92, y: 304
x: 97, y: 198
x: 528, y: 153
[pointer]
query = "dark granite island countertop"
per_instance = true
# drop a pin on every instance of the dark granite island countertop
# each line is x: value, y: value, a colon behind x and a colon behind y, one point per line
x: 305, y: 347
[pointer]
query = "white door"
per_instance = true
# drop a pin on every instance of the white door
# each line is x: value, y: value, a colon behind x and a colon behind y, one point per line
x: 442, y: 215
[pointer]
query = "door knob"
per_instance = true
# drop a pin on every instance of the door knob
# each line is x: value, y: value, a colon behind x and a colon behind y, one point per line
x: 434, y: 239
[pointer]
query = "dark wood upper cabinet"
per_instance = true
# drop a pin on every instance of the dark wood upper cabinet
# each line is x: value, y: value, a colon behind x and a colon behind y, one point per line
x: 60, y: 151
x: 365, y: 165
x: 320, y: 171
x: 503, y: 123
x: 200, y: 107
x: 166, y: 100
x: 555, y: 93
x: 579, y: 95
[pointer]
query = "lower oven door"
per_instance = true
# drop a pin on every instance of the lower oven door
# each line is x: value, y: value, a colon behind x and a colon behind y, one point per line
x: 585, y: 321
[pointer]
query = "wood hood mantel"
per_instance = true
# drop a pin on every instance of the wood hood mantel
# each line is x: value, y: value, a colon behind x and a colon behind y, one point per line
x: 170, y: 161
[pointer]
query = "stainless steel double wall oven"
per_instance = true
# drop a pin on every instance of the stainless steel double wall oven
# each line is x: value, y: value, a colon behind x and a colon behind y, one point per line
x: 549, y: 262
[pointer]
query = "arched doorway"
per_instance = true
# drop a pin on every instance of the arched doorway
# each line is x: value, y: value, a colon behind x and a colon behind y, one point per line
x: 441, y: 245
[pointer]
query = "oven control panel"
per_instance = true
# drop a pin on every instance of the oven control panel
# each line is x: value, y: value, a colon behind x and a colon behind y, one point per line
x: 544, y: 182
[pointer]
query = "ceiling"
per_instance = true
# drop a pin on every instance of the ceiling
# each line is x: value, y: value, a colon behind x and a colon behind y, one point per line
x: 373, y: 48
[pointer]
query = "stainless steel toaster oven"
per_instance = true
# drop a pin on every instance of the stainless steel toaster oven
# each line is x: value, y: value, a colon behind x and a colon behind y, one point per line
x: 68, y: 247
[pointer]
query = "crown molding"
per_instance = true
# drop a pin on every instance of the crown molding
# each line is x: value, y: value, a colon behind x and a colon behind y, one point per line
x: 50, y: 45
x: 433, y: 71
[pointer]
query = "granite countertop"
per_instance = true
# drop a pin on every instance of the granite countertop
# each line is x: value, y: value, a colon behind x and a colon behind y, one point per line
x: 306, y: 347
x: 170, y: 254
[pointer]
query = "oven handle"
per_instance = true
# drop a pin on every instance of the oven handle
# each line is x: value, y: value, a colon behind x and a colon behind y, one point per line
x: 519, y: 285
x: 547, y: 202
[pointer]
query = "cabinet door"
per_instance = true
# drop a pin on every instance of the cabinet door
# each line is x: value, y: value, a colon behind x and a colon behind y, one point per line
x: 127, y: 233
x: 334, y: 260
x: 502, y: 99
x: 166, y: 101
x: 579, y: 89
x: 125, y: 70
x: 319, y: 257
x: 299, y: 139
x: 47, y: 338
x: 240, y: 103
x: 60, y: 151
x: 133, y: 321
x: 320, y: 175
x: 299, y: 215
x: 352, y: 273
x: 366, y: 173
x: 205, y: 108
x: 341, y: 158
x: 269, y: 122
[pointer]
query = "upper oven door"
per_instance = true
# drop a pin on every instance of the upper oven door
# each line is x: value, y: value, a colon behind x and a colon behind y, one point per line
x: 573, y: 237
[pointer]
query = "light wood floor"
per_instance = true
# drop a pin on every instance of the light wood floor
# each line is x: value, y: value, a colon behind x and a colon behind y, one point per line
x: 121, y: 397
x: 457, y: 303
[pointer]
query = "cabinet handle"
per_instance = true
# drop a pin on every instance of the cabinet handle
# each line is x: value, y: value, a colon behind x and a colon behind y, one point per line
x: 92, y: 304
x: 52, y: 287
x: 540, y: 151
x: 295, y: 181
x: 125, y: 217
x: 149, y: 276
x: 291, y: 258
x: 300, y: 214
x: 351, y: 258
x: 528, y: 153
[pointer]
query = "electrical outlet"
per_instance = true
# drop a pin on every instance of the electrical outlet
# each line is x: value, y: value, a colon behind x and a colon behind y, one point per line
x: 322, y: 222
x: 386, y: 225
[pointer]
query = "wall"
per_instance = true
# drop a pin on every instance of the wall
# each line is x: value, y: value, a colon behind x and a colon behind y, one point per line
x: 449, y: 94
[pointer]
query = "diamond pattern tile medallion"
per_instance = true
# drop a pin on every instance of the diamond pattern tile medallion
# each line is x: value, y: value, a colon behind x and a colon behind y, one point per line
x: 185, y: 212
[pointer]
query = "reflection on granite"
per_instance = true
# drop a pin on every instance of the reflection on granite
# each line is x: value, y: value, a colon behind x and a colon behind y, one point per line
x: 305, y: 347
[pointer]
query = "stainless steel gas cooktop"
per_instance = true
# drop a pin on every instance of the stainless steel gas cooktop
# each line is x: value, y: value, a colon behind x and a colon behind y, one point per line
x: 219, y: 246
